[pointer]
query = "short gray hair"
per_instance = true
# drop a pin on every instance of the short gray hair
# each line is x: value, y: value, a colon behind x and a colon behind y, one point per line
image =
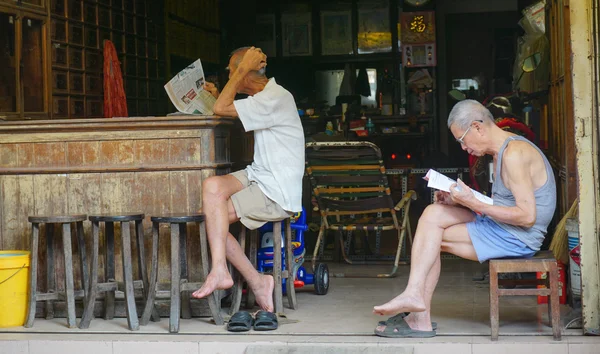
x: 466, y: 112
x: 238, y: 60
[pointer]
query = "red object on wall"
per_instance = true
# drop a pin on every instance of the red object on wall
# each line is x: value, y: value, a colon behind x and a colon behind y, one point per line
x: 562, y: 285
x: 115, y: 102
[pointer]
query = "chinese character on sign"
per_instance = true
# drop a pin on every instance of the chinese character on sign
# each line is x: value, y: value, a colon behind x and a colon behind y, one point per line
x: 418, y: 24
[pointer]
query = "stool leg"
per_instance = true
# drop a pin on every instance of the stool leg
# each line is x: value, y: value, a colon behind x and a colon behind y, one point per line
x: 35, y: 231
x: 289, y: 260
x: 175, y: 281
x: 186, y: 311
x: 109, y: 269
x: 239, y: 280
x: 90, y: 300
x: 250, y: 298
x: 213, y: 304
x: 71, y: 319
x: 554, y: 302
x: 494, y: 304
x: 50, y: 273
x: 132, y: 319
x: 139, y: 232
x: 149, y: 307
x: 83, y: 259
x: 278, y: 293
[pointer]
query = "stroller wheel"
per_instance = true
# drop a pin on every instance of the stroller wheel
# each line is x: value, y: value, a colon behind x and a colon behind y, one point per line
x: 321, y: 279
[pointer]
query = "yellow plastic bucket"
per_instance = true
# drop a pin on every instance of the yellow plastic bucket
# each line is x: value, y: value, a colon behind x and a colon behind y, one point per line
x: 14, y: 284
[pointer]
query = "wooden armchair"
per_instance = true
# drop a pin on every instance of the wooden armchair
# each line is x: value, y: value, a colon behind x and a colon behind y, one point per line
x: 350, y: 185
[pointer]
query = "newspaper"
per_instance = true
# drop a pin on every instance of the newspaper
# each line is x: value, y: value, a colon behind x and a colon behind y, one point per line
x: 187, y: 93
x: 441, y: 182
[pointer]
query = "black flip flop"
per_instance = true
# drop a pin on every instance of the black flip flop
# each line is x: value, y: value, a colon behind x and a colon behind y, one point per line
x: 241, y: 321
x: 394, y: 320
x: 265, y: 321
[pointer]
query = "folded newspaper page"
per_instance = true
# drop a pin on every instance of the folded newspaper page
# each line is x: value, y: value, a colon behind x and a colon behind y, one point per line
x: 441, y: 182
x: 187, y: 93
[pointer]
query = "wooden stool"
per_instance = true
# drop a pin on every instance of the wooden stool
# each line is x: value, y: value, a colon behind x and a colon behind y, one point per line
x: 278, y: 274
x: 542, y: 262
x: 51, y: 293
x: 110, y: 285
x: 179, y: 273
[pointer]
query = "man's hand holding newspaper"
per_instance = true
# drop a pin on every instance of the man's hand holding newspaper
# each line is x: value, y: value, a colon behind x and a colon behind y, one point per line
x: 187, y: 93
x: 457, y: 192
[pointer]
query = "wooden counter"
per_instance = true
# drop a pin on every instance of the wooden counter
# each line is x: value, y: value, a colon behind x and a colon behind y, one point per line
x: 151, y: 164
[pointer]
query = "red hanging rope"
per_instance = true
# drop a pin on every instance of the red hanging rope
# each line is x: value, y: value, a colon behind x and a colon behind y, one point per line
x: 115, y: 102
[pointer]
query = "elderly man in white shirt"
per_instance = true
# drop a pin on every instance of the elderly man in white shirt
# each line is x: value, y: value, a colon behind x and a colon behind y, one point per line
x: 270, y: 188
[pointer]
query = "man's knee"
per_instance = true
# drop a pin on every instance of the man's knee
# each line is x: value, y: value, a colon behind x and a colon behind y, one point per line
x: 433, y: 213
x: 214, y: 187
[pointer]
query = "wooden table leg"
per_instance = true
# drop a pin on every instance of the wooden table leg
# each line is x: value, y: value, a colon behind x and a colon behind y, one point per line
x: 278, y: 292
x: 82, y: 258
x: 50, y: 273
x: 250, y: 298
x: 289, y: 260
x: 132, y: 319
x: 90, y: 301
x: 554, y: 301
x: 139, y: 231
x: 70, y: 292
x: 31, y: 305
x: 149, y: 307
x: 494, y: 304
x: 186, y: 307
x: 175, y: 280
x: 109, y: 269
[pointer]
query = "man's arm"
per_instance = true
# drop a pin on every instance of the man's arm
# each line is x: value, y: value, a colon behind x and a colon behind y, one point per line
x: 516, y: 162
x: 254, y: 59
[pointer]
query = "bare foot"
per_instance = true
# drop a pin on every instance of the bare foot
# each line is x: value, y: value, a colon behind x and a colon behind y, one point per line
x: 216, y: 280
x: 263, y: 291
x: 419, y: 322
x: 401, y: 303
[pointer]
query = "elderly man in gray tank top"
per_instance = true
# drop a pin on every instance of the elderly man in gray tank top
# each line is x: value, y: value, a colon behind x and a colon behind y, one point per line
x: 524, y: 200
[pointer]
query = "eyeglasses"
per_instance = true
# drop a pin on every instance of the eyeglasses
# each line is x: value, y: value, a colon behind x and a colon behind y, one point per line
x: 460, y: 140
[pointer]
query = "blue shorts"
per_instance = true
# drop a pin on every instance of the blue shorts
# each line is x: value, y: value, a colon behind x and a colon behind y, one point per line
x: 491, y: 241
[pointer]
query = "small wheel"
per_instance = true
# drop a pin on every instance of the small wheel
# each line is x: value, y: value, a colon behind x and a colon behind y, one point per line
x: 321, y: 279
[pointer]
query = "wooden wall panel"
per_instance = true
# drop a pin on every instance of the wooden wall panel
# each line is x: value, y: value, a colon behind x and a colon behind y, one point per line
x: 17, y: 202
x: 151, y: 151
x: 83, y: 153
x: 185, y: 151
x: 49, y: 154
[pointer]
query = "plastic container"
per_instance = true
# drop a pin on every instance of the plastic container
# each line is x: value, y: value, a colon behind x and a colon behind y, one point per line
x: 14, y: 284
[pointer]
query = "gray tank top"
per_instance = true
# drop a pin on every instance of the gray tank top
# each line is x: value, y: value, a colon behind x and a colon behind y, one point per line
x: 545, y: 201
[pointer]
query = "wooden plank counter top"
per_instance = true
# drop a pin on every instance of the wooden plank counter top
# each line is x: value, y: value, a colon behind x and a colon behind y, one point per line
x: 83, y: 166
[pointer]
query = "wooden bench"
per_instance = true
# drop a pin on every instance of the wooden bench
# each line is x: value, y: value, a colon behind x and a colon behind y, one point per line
x: 543, y: 261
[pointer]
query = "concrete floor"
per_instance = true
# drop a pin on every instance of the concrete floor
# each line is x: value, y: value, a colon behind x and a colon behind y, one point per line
x: 460, y: 306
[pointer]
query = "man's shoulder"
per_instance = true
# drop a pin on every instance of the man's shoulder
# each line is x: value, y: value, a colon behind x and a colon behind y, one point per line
x: 519, y: 151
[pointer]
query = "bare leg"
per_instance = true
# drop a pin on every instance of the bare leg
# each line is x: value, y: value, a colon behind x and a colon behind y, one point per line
x: 216, y: 193
x: 425, y: 254
x: 261, y: 285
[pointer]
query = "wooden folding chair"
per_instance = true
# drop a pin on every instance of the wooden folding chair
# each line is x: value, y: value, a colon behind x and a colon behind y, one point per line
x: 350, y: 185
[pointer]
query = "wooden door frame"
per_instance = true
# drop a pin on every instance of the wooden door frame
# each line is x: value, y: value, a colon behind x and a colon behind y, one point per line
x: 586, y: 83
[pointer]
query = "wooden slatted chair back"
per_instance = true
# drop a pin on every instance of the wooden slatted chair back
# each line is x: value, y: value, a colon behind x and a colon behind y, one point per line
x: 348, y: 178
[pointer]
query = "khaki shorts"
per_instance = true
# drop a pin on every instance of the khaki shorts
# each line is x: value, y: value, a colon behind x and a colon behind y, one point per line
x: 252, y: 206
